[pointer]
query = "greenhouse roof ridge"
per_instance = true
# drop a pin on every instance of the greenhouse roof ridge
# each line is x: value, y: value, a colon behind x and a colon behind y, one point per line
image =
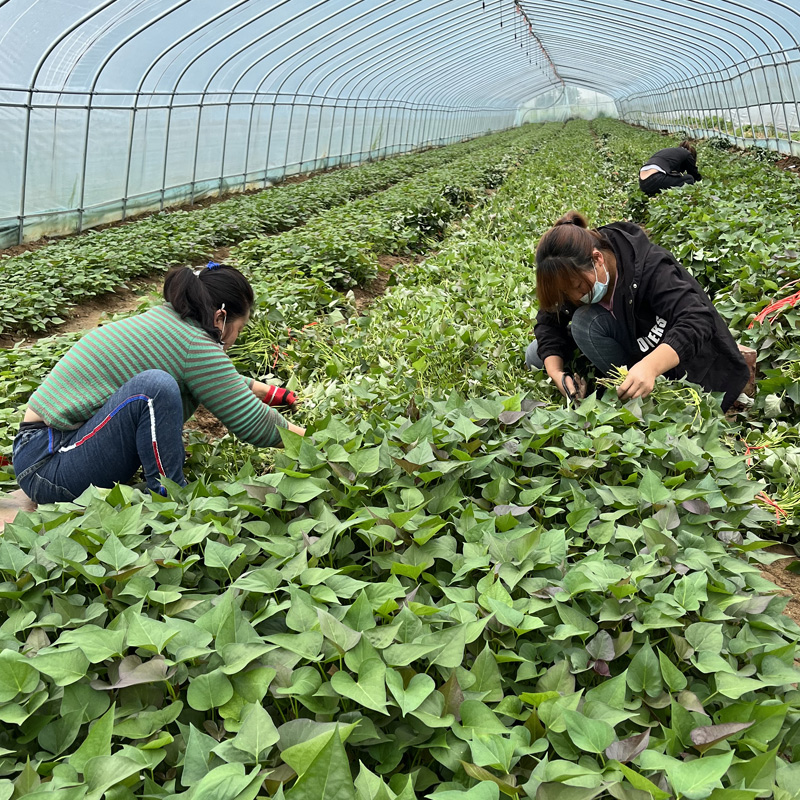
x: 144, y: 48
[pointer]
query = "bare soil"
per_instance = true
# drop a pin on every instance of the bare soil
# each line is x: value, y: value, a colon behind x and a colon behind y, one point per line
x: 204, y: 421
x: 788, y: 581
x: 365, y: 295
x: 790, y: 164
x: 89, y: 314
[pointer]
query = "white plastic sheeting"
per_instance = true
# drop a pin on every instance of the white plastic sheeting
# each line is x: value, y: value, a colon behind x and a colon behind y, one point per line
x: 110, y: 107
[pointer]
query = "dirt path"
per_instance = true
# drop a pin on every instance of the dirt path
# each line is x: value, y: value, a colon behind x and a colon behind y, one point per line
x: 789, y: 582
x: 123, y: 299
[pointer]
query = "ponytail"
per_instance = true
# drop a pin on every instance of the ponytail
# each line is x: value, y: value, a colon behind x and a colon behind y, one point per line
x: 199, y: 295
x: 564, y: 255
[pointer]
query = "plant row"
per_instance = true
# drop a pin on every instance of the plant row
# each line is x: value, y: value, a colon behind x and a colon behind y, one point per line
x: 737, y: 232
x: 297, y: 281
x: 452, y: 587
x: 39, y: 285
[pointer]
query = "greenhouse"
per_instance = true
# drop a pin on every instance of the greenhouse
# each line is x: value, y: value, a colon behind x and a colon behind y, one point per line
x: 399, y: 400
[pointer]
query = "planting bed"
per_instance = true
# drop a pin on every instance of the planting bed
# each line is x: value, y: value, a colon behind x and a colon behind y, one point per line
x: 454, y: 586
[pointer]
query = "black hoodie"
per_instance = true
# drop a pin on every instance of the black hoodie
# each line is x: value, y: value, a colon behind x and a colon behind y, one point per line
x: 675, y: 159
x: 656, y: 301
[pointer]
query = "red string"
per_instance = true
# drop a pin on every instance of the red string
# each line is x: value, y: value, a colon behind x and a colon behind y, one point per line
x: 279, y: 353
x: 751, y: 448
x: 775, y: 308
x: 778, y: 510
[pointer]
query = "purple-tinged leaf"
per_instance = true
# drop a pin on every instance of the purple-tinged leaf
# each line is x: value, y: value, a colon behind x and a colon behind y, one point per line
x: 133, y: 672
x: 697, y: 506
x: 601, y: 647
x: 453, y: 696
x: 691, y: 702
x: 601, y: 668
x: 627, y: 749
x: 708, y: 735
x: 510, y: 417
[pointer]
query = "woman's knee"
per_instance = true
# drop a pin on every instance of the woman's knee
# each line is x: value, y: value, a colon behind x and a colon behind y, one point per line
x: 589, y: 322
x: 156, y: 383
x: 532, y: 360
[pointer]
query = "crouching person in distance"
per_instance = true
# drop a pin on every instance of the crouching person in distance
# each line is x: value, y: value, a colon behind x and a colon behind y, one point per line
x: 672, y: 166
x: 626, y: 302
x: 119, y: 397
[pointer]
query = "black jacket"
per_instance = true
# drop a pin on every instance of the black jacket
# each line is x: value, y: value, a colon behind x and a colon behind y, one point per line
x: 656, y: 301
x: 675, y: 159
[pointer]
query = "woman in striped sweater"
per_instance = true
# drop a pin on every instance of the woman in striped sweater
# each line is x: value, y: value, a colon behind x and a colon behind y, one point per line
x: 118, y: 399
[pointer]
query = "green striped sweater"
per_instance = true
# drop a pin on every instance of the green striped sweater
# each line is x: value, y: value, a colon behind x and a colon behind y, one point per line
x: 104, y: 359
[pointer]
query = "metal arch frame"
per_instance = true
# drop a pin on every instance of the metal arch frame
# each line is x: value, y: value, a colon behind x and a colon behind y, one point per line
x: 761, y: 58
x: 711, y: 11
x: 423, y: 94
x: 746, y: 23
x: 277, y: 90
x: 361, y: 53
x: 95, y: 79
x: 686, y: 78
x: 434, y: 37
x: 527, y: 91
x: 432, y: 44
x: 375, y: 46
x: 685, y: 83
x: 161, y: 55
x: 186, y: 37
x: 405, y: 76
x: 428, y: 45
x: 175, y: 90
x: 609, y: 6
x: 780, y: 49
x: 29, y: 102
x: 230, y: 58
x: 367, y: 72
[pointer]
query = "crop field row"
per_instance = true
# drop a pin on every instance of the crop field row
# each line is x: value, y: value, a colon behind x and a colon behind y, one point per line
x: 295, y: 273
x: 455, y: 585
x: 37, y: 286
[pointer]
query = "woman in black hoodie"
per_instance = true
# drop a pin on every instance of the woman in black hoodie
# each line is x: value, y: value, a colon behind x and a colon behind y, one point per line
x: 672, y: 166
x: 630, y: 304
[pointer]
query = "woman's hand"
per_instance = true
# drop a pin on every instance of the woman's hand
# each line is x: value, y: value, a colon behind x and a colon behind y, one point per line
x: 297, y: 429
x: 639, y: 382
x: 574, y: 384
x: 642, y: 375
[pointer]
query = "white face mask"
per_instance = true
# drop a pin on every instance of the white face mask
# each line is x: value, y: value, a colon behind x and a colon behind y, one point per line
x: 598, y: 290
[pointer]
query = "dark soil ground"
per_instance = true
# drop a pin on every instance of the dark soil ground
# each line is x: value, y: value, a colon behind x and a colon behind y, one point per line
x: 788, y: 581
x: 789, y: 163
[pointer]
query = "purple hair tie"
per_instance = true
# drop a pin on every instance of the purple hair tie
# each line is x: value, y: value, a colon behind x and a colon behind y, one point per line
x: 213, y: 265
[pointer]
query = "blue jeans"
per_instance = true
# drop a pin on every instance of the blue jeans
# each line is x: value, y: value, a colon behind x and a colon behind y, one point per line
x: 140, y: 425
x: 597, y: 336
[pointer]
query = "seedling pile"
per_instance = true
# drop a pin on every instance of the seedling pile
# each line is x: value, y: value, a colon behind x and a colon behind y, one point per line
x: 455, y: 586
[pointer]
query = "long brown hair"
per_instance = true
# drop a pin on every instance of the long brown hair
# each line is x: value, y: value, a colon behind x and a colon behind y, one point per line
x: 563, y: 254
